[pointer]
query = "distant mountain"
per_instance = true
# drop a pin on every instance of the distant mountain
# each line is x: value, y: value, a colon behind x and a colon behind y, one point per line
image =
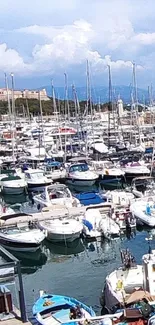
x: 101, y: 93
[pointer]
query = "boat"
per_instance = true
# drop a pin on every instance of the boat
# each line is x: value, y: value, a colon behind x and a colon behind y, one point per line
x: 119, y: 197
x: 143, y: 210
x: 135, y: 169
x: 61, y: 229
x: 22, y: 237
x: 97, y: 222
x: 56, y: 309
x: 130, y: 282
x: 56, y: 194
x: 13, y: 184
x: 36, y: 178
x: 80, y: 175
x: 143, y: 186
x: 54, y: 170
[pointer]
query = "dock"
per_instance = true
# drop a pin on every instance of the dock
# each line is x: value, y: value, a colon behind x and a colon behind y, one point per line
x: 14, y: 321
x: 51, y: 212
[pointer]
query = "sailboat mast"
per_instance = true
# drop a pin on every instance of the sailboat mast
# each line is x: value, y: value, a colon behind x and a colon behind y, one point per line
x: 110, y: 104
x: 56, y: 113
x: 14, y: 117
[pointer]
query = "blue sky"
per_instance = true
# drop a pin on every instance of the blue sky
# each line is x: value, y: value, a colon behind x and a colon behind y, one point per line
x: 42, y: 39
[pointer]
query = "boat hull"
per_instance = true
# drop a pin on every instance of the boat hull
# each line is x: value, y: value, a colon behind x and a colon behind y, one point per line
x: 63, y: 237
x: 17, y: 246
x: 13, y: 190
x: 35, y: 185
x: 81, y: 182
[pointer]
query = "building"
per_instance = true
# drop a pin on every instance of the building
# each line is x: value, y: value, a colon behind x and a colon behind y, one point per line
x: 29, y: 94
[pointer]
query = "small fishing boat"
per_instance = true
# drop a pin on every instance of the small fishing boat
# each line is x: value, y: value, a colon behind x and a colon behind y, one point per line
x: 56, y: 194
x: 128, y: 279
x: 52, y: 309
x: 80, y: 175
x: 61, y: 229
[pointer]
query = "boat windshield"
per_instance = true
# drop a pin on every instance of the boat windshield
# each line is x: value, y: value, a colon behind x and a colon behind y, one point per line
x: 58, y: 193
x: 79, y: 168
x: 34, y: 175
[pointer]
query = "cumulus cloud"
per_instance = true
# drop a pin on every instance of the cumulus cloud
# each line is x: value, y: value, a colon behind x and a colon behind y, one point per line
x: 106, y: 34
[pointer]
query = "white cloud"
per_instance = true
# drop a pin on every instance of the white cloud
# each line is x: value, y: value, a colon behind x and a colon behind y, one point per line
x: 102, y: 31
x: 10, y: 60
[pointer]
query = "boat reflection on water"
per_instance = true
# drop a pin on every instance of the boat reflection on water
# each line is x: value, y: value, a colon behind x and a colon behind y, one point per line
x: 14, y: 199
x: 68, y: 248
x: 31, y: 262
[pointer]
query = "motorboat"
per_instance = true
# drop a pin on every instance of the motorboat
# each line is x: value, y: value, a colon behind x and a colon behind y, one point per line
x: 36, y: 178
x: 143, y: 186
x: 119, y: 197
x: 135, y: 169
x: 79, y: 174
x: 22, y: 237
x: 56, y: 194
x: 55, y: 309
x: 144, y: 211
x: 54, y: 170
x: 97, y: 222
x: 61, y: 229
x: 127, y: 280
x: 108, y: 172
x: 13, y: 184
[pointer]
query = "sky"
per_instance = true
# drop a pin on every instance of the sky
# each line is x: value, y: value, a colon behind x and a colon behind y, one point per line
x: 41, y: 40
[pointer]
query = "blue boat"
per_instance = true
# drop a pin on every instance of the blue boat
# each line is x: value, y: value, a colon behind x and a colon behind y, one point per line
x: 87, y: 198
x: 55, y: 310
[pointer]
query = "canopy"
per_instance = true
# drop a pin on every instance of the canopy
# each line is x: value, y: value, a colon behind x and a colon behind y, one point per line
x: 139, y: 295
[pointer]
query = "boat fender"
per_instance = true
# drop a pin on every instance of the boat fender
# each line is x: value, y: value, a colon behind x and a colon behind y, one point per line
x: 106, y: 172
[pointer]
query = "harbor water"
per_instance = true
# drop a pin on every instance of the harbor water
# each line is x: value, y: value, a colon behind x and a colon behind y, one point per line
x: 75, y: 269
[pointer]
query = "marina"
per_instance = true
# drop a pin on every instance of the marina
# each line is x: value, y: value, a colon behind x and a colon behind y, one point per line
x: 77, y: 196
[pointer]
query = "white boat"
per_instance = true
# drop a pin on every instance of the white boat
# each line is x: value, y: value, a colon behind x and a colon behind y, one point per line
x: 80, y: 175
x: 23, y: 237
x: 143, y: 186
x: 144, y: 211
x: 128, y: 279
x: 119, y: 197
x: 36, y: 178
x: 107, y: 171
x: 97, y: 223
x: 136, y: 169
x: 61, y: 229
x: 56, y: 194
x: 54, y: 170
x: 13, y: 185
